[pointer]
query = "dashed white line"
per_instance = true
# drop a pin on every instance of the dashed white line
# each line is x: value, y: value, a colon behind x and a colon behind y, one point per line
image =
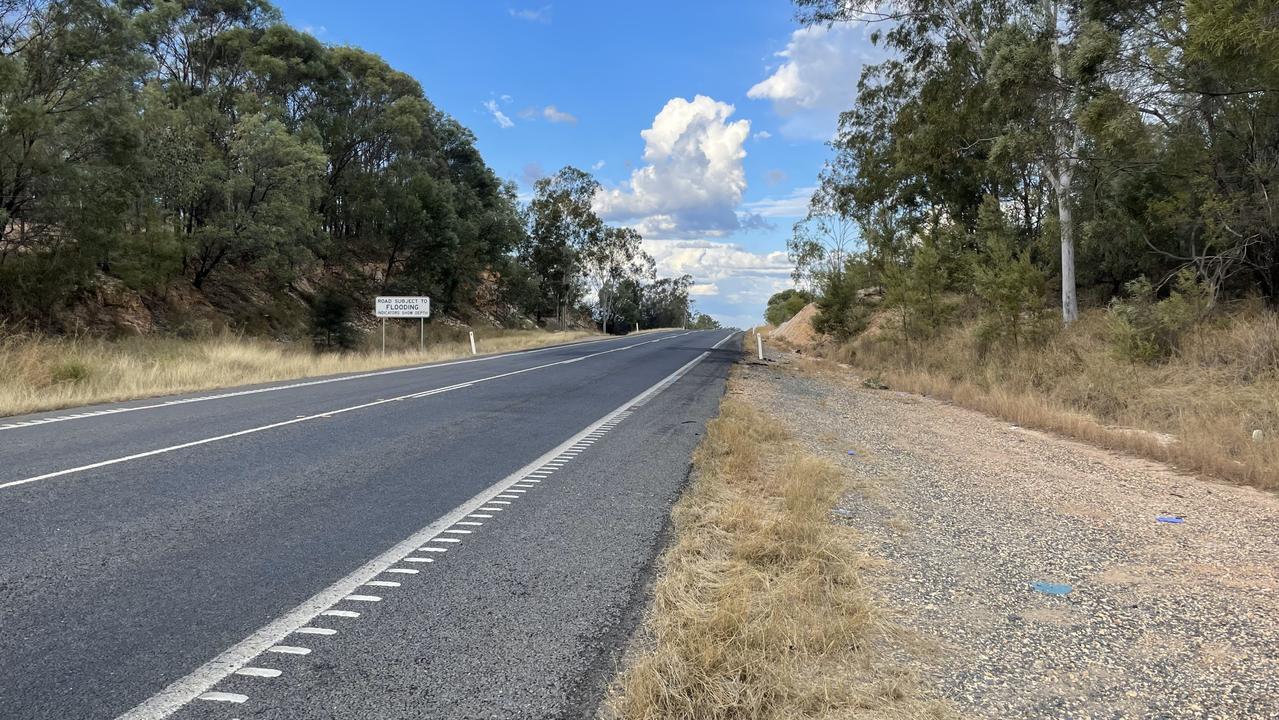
x: 341, y: 613
x: 258, y: 672
x: 403, y: 571
x: 432, y: 549
x: 224, y: 697
x: 419, y: 560
x: 363, y: 598
x: 316, y: 631
x: 470, y: 522
x: 382, y: 583
x: 479, y: 516
x: 444, y: 540
x: 460, y: 532
x: 289, y: 650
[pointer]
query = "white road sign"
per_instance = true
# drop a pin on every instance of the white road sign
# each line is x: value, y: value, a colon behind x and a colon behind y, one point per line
x: 402, y: 307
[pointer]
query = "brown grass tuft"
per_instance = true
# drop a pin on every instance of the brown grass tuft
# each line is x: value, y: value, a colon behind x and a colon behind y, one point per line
x: 50, y: 373
x: 759, y: 611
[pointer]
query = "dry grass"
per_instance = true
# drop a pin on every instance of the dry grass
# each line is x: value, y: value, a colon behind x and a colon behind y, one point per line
x: 1198, y: 410
x: 45, y: 374
x: 759, y: 611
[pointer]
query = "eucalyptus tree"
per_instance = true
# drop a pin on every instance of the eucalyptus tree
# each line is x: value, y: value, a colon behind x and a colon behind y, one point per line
x: 561, y: 227
x: 614, y: 256
x: 1034, y: 65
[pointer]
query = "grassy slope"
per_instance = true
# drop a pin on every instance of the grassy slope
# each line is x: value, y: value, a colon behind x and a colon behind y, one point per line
x: 46, y: 374
x: 1198, y: 410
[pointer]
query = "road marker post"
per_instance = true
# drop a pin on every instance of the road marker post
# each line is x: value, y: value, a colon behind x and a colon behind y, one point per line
x: 383, y: 336
x: 759, y: 340
x: 421, y: 336
x: 472, y: 333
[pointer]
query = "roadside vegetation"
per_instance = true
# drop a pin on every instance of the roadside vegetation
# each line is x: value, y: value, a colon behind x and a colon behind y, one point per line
x: 43, y: 373
x: 189, y: 167
x: 1114, y: 157
x: 759, y: 610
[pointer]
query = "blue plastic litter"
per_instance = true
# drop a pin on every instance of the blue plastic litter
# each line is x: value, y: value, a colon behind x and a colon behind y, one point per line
x: 1170, y: 519
x: 1050, y: 588
x: 852, y: 452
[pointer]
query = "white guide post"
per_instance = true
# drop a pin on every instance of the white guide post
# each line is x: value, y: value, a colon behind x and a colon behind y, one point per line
x: 759, y: 340
x: 383, y: 336
x: 472, y: 342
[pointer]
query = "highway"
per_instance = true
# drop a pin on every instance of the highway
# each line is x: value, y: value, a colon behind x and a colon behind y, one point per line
x: 467, y: 539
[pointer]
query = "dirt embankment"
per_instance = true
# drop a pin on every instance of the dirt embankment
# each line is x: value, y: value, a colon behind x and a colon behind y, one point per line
x: 798, y: 331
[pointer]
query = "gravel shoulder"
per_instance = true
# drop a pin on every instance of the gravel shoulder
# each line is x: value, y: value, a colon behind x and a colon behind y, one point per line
x: 964, y: 512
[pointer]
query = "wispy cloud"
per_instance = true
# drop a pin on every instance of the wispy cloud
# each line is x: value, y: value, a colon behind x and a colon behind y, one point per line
x: 598, y: 166
x: 794, y: 205
x: 498, y: 116
x: 762, y: 135
x: 539, y: 15
x: 550, y: 112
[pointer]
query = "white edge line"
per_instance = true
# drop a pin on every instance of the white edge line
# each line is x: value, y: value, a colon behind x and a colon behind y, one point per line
x: 199, y: 681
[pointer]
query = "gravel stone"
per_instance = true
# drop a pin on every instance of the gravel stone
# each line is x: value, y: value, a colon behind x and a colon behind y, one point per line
x: 964, y: 512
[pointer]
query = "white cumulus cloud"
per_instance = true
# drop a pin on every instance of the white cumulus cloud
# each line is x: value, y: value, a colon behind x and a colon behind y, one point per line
x: 693, y: 179
x: 498, y: 116
x: 817, y: 79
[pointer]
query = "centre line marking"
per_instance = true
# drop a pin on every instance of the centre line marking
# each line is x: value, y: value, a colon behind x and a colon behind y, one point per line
x: 202, y: 679
x: 289, y: 650
x: 322, y: 415
x: 296, y: 385
x: 341, y: 613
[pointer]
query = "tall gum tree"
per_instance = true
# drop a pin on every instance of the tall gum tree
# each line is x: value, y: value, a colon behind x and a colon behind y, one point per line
x: 1030, y: 51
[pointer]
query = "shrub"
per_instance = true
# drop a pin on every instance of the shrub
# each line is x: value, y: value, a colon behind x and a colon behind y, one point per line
x: 70, y: 371
x: 331, y: 323
x: 1010, y: 287
x: 1146, y: 329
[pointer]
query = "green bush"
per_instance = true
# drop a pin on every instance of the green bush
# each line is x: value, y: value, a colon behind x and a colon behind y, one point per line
x: 1146, y: 329
x: 782, y: 306
x: 70, y: 371
x: 1011, y: 289
x: 331, y: 322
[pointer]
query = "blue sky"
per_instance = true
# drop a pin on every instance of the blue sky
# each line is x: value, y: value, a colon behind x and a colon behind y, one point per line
x: 704, y: 120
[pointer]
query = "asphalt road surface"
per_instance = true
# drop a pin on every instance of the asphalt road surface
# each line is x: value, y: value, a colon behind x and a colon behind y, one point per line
x: 468, y: 539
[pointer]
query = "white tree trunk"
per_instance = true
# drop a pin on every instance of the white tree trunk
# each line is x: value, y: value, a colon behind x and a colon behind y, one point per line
x: 1066, y: 218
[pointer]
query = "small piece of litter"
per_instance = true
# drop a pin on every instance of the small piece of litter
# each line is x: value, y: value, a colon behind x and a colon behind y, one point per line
x: 852, y: 452
x: 1258, y: 436
x: 1170, y: 519
x: 1050, y: 588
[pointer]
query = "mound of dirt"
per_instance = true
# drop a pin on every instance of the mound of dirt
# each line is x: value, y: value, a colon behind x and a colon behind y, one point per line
x: 798, y: 331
